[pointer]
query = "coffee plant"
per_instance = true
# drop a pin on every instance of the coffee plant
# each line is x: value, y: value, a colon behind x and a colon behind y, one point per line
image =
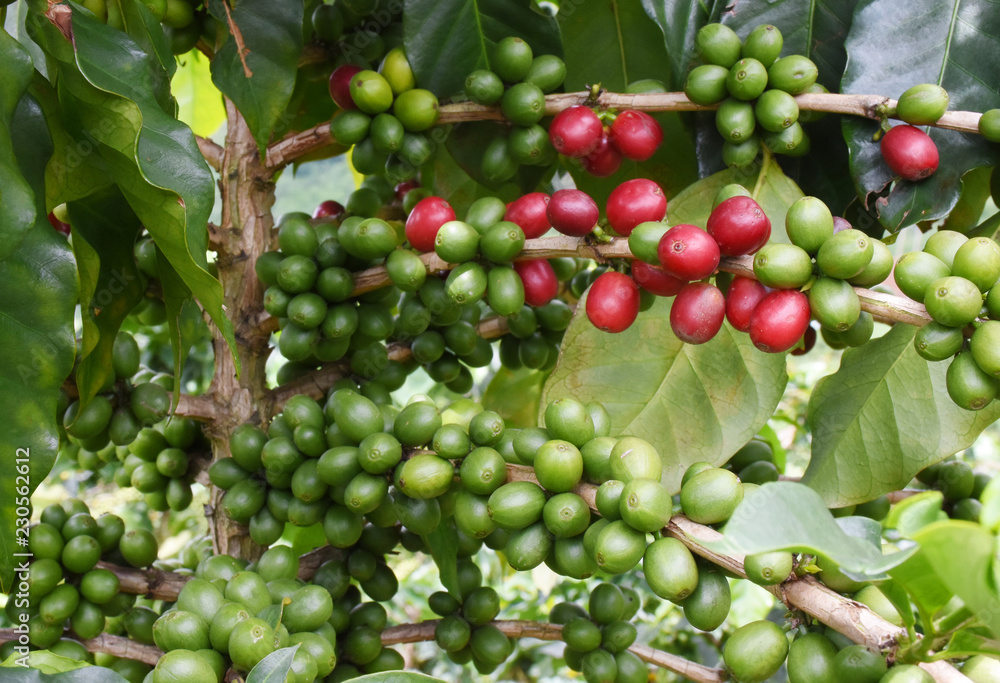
x: 613, y: 366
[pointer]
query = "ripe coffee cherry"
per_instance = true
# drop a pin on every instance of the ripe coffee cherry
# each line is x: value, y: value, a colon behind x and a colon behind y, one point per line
x: 604, y: 160
x: 572, y: 212
x: 340, y: 85
x: 613, y: 302
x: 402, y: 188
x: 742, y: 298
x: 539, y: 279
x: 739, y: 225
x: 576, y: 131
x: 59, y: 225
x: 697, y: 314
x: 529, y: 212
x: 329, y: 209
x: 635, y: 201
x: 780, y: 320
x: 636, y: 134
x: 808, y: 342
x: 655, y: 280
x: 909, y: 152
x: 687, y: 252
x: 425, y: 220
x: 841, y: 224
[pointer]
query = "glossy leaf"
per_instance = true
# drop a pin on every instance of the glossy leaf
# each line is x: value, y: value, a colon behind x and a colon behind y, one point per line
x: 199, y: 102
x: 180, y: 307
x: 87, y: 674
x: 272, y: 36
x: 614, y: 44
x: 46, y: 663
x: 467, y: 145
x: 108, y: 84
x: 515, y: 395
x: 273, y: 668
x: 447, y: 39
x: 954, y: 44
x: 912, y: 514
x: 679, y: 21
x: 975, y: 191
x: 971, y: 579
x: 104, y: 230
x: 443, y: 545
x: 789, y: 516
x: 693, y: 402
x: 881, y: 418
x: 17, y: 210
x: 449, y: 179
x: 397, y: 677
x: 36, y: 334
x: 138, y: 22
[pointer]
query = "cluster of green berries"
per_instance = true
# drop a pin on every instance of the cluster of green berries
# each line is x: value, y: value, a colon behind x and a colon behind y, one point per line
x: 346, y: 29
x: 754, y: 89
x: 518, y: 81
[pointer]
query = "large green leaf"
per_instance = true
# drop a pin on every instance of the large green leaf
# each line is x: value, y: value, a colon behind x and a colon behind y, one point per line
x: 515, y: 395
x: 273, y: 668
x: 199, y: 102
x: 107, y: 84
x: 443, y: 545
x: 48, y: 672
x: 693, y: 402
x: 272, y: 36
x: 961, y: 555
x: 679, y: 20
x: 17, y: 208
x: 881, y: 418
x: 615, y: 43
x: 447, y: 39
x: 955, y: 44
x: 789, y: 516
x: 467, y: 144
x: 44, y: 661
x: 36, y: 334
x: 104, y: 230
x: 397, y: 677
x: 450, y: 180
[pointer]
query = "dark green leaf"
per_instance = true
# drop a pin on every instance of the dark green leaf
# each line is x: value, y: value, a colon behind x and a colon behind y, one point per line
x: 467, y: 144
x: 447, y: 39
x: 969, y: 209
x: 397, y: 677
x: 108, y: 84
x: 789, y: 516
x: 450, y: 180
x: 17, y: 210
x: 104, y: 230
x: 274, y: 668
x: 971, y: 579
x: 36, y: 334
x: 693, y: 402
x: 515, y: 395
x: 881, y: 418
x: 138, y: 22
x: 679, y: 20
x: 272, y: 36
x: 443, y: 544
x: 614, y: 44
x: 178, y: 303
x: 954, y: 44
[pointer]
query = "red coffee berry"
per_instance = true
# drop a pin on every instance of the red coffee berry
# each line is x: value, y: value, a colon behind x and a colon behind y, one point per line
x: 529, y: 212
x: 636, y: 134
x: 808, y: 342
x: 687, y: 252
x: 780, y: 320
x: 539, y: 279
x: 576, y: 131
x: 739, y: 225
x: 655, y: 280
x: 742, y: 298
x: 64, y: 228
x: 604, y: 160
x: 425, y: 220
x: 329, y: 209
x: 697, y: 312
x: 402, y: 188
x: 613, y: 302
x: 340, y: 85
x: 635, y: 201
x: 909, y: 152
x: 840, y: 224
x: 572, y: 212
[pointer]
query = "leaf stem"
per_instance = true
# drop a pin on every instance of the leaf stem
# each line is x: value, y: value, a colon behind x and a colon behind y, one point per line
x: 763, y: 172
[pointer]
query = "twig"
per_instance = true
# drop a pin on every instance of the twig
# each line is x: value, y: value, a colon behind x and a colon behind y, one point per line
x: 211, y: 151
x: 118, y: 646
x: 152, y: 583
x: 241, y: 48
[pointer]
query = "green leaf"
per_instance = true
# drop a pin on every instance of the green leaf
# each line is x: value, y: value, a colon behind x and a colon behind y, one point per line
x: 679, y: 21
x: 180, y: 308
x: 615, y: 43
x: 36, y: 335
x: 912, y: 514
x: 693, y: 402
x: 881, y: 418
x: 45, y: 662
x: 397, y: 677
x: 199, y: 102
x: 272, y: 36
x: 450, y: 180
x: 900, y: 599
x: 17, y: 210
x: 104, y: 230
x: 443, y: 544
x: 955, y: 44
x: 789, y: 516
x: 924, y: 587
x: 969, y: 209
x: 154, y: 159
x: 447, y: 39
x: 971, y: 579
x: 972, y: 641
x: 467, y: 145
x: 88, y: 674
x: 275, y: 667
x: 515, y: 395
x: 140, y: 24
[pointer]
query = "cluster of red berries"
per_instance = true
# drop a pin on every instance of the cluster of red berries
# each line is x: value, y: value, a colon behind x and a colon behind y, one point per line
x: 579, y: 133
